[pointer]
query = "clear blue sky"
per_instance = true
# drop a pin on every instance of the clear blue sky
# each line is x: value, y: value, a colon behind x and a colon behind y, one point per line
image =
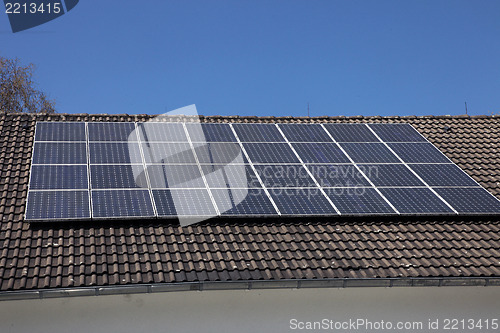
x: 242, y: 57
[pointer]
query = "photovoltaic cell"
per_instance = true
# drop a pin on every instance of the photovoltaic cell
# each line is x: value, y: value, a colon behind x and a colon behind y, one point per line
x: 219, y: 152
x: 53, y: 177
x: 121, y: 203
x: 358, y: 201
x: 165, y: 132
x: 112, y: 132
x: 291, y: 175
x: 59, y: 153
x: 415, y: 201
x: 320, y: 153
x: 115, y: 153
x: 443, y: 175
x: 337, y: 175
x: 165, y: 153
x: 270, y: 153
x: 397, y: 133
x: 117, y: 176
x: 369, y: 153
x: 175, y: 176
x: 418, y: 153
x: 300, y: 201
x: 258, y: 133
x: 243, y: 202
x: 210, y: 133
x: 230, y: 176
x: 57, y: 205
x: 351, y: 133
x: 470, y: 200
x: 390, y: 175
x: 304, y: 133
x: 54, y: 131
x: 182, y: 202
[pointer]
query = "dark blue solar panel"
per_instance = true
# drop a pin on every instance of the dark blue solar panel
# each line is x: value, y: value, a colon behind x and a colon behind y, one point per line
x: 337, y: 175
x: 443, y: 175
x: 117, y: 176
x: 284, y: 176
x: 59, y: 153
x: 415, y: 201
x: 51, y: 177
x: 397, y: 133
x: 358, y: 201
x: 270, y: 153
x: 182, y: 202
x: 230, y: 176
x: 296, y: 201
x: 390, y: 175
x: 115, y: 153
x: 243, y: 202
x: 219, y: 152
x: 351, y: 133
x: 60, y: 131
x: 121, y: 203
x: 210, y: 133
x: 369, y: 153
x: 258, y: 133
x: 175, y: 176
x: 305, y: 133
x: 112, y: 132
x: 473, y: 200
x: 168, y: 153
x: 320, y: 153
x: 55, y: 205
x: 418, y: 153
x: 165, y: 132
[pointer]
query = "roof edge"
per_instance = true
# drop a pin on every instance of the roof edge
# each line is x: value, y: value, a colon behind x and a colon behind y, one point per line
x: 249, y: 285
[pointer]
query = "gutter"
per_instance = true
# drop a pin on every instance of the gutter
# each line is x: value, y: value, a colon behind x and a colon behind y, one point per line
x: 247, y: 285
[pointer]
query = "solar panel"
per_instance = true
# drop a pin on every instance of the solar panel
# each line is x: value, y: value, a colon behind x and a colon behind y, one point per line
x: 112, y: 132
x: 358, y: 201
x: 304, y: 133
x: 286, y: 175
x: 320, y: 153
x: 369, y: 153
x: 270, y: 153
x: 210, y: 133
x: 57, y: 205
x: 258, y: 133
x: 338, y: 175
x: 165, y: 169
x: 397, y: 133
x: 121, y: 203
x: 473, y: 200
x: 443, y: 175
x: 390, y: 175
x: 59, y: 153
x: 162, y: 132
x: 244, y: 202
x: 183, y: 202
x: 301, y: 201
x: 52, y: 131
x: 415, y: 201
x: 115, y: 153
x: 57, y: 177
x: 351, y: 133
x: 418, y: 153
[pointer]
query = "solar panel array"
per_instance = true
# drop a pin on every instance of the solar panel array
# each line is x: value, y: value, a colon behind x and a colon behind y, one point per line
x: 145, y: 170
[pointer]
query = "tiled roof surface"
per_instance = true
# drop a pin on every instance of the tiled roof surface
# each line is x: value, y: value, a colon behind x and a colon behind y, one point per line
x: 155, y: 251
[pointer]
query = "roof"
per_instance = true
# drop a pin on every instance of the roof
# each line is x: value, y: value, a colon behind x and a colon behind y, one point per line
x: 144, y: 252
